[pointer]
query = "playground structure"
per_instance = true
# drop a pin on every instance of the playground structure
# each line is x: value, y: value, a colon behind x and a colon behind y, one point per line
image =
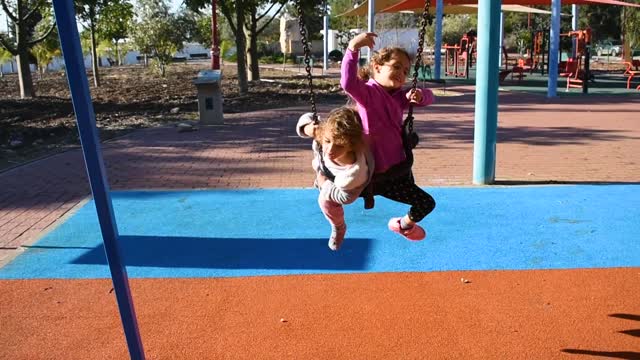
x: 536, y: 58
x: 576, y: 68
x: 538, y: 54
x: 460, y: 57
x: 629, y: 73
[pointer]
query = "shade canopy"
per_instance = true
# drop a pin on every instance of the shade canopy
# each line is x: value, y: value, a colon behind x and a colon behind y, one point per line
x: 363, y: 9
x: 412, y: 5
x: 473, y: 9
x: 382, y: 5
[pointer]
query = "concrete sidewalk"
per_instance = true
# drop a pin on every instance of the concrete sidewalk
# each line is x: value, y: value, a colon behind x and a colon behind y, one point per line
x: 565, y: 140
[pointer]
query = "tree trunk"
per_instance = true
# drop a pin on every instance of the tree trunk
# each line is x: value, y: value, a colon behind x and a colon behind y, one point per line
x: 252, y: 51
x: 22, y: 58
x: 24, y: 75
x: 94, y: 56
x: 119, y: 61
x: 241, y: 45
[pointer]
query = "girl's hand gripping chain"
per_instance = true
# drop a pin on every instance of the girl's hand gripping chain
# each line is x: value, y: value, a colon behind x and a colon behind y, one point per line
x: 414, y: 96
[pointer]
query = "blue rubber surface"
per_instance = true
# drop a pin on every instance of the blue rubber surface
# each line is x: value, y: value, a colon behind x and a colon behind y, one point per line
x: 253, y: 232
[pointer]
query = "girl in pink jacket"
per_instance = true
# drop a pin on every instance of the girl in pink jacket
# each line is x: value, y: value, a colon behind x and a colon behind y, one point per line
x: 381, y: 102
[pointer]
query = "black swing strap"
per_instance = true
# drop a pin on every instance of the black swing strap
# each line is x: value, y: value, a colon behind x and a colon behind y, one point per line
x: 426, y: 18
x: 307, y: 59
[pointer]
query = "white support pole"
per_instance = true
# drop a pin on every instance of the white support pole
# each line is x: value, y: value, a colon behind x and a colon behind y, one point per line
x: 574, y: 27
x: 325, y: 62
x: 371, y: 23
x: 501, y: 39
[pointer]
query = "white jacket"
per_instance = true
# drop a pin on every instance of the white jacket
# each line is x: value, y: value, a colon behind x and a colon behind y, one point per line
x: 349, y: 180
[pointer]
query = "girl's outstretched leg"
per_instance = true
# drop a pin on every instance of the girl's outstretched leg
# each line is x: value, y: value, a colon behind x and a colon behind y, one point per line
x: 404, y: 190
x: 335, y: 215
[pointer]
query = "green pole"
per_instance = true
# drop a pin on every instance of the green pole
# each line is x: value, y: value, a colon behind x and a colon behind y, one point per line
x: 486, y: 114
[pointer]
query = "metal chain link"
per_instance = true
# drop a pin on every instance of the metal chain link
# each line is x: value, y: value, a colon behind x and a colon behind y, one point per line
x: 426, y: 18
x: 307, y: 59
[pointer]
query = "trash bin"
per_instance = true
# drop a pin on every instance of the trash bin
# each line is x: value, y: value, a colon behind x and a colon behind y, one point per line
x: 209, y: 97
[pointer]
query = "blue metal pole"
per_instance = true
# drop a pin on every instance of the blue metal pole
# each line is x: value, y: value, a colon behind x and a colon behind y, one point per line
x: 554, y: 38
x: 85, y: 115
x: 486, y: 114
x: 438, y: 44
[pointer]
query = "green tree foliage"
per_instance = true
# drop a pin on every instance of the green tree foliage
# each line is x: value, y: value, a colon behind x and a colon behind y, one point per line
x: 257, y: 22
x: 5, y: 56
x: 25, y: 16
x: 631, y: 30
x: 454, y: 26
x: 397, y: 21
x: 313, y: 16
x: 89, y: 12
x: 603, y: 20
x: 158, y: 32
x: 46, y: 50
x: 246, y: 19
x: 343, y: 23
x: 114, y: 23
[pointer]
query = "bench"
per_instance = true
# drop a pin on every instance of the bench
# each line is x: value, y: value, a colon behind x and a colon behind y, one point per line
x: 199, y: 55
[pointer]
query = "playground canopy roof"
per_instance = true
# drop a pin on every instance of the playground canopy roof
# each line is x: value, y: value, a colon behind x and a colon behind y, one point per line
x: 465, y: 8
x: 473, y: 9
x: 409, y: 5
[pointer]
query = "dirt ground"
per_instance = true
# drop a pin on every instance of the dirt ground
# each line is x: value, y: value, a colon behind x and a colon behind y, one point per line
x: 129, y: 98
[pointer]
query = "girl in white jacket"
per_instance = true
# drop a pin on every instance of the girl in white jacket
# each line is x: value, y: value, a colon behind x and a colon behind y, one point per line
x: 342, y: 162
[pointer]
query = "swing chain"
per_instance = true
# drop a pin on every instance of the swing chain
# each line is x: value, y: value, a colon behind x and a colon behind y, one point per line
x: 307, y: 59
x: 426, y: 18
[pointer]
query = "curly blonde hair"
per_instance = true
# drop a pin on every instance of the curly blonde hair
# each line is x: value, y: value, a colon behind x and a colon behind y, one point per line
x: 345, y: 127
x: 379, y: 58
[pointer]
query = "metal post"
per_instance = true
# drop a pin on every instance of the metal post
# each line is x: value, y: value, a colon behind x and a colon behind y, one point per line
x: 574, y: 27
x: 438, y: 43
x: 587, y: 71
x: 85, y: 116
x: 371, y: 24
x: 215, y: 46
x: 486, y: 114
x: 325, y: 63
x: 501, y: 40
x: 554, y: 39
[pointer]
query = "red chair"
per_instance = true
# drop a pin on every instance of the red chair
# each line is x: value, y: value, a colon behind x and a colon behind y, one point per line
x: 571, y: 67
x: 631, y: 73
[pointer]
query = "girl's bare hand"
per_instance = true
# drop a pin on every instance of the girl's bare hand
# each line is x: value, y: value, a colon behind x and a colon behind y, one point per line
x: 362, y: 40
x: 320, y: 179
x: 310, y: 130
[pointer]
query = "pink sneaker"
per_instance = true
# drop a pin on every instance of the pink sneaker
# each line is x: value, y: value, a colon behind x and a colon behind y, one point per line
x: 416, y: 233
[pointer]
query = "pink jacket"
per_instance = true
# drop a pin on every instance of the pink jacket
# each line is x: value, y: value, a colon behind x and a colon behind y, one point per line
x: 382, y: 113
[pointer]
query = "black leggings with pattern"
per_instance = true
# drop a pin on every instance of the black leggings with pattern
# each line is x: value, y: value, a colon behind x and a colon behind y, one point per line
x: 404, y: 189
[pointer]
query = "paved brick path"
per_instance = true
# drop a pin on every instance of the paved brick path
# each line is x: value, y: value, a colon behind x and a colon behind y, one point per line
x: 567, y: 140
